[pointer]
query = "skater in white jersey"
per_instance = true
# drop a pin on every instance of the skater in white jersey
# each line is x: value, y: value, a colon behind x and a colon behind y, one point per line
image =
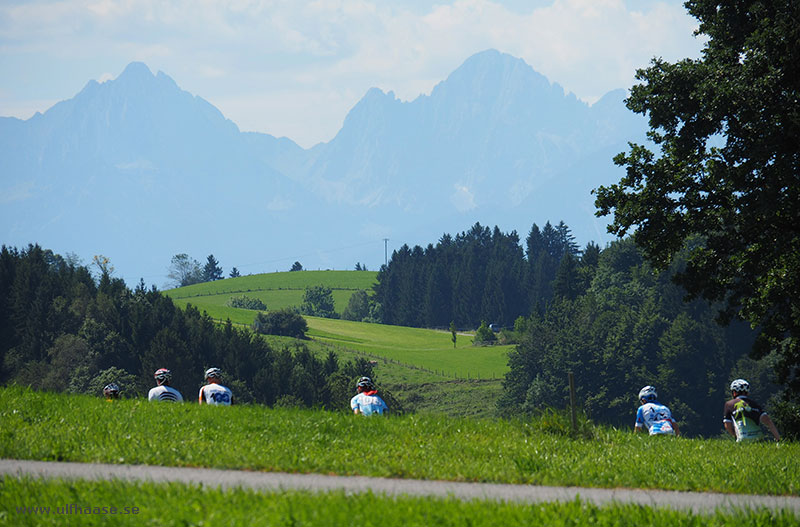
x: 164, y: 392
x: 214, y: 392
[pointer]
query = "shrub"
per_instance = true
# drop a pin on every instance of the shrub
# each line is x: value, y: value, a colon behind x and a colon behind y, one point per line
x: 358, y: 307
x: 318, y: 302
x: 484, y: 335
x: 284, y: 322
x: 245, y: 302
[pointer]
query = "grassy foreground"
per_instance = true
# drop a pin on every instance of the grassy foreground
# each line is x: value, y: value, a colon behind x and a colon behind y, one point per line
x: 81, y: 428
x: 34, y: 502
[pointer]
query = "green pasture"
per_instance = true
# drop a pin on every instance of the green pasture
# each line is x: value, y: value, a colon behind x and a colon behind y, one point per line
x: 47, y: 426
x: 416, y: 389
x: 276, y: 290
x: 27, y: 501
x: 427, y: 348
x: 300, y: 280
x: 217, y: 308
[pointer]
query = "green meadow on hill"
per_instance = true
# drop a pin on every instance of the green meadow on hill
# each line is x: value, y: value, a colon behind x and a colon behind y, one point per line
x: 423, y: 348
x: 276, y: 290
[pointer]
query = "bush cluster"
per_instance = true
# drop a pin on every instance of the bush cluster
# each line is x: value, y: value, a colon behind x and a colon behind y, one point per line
x: 245, y: 302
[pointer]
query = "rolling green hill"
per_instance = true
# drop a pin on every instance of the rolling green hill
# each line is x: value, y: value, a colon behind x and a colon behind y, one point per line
x: 271, y: 283
x: 420, y: 366
x: 276, y: 290
x: 424, y: 348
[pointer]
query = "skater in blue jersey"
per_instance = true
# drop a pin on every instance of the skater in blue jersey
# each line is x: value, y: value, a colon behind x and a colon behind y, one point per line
x: 367, y: 401
x: 654, y: 415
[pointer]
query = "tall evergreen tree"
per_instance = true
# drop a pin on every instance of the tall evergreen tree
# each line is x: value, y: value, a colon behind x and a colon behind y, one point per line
x: 212, y: 271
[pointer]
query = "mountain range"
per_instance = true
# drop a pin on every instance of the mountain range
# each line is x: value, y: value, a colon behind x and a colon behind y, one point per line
x: 138, y: 170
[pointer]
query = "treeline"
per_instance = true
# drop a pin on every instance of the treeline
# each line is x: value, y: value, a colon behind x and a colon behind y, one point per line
x: 63, y: 330
x: 629, y: 328
x: 481, y: 275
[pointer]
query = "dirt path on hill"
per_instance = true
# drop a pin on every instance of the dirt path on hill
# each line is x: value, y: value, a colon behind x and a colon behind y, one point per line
x: 698, y: 502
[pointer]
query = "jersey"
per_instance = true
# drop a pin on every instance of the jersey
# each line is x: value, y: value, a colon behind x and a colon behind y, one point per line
x: 215, y: 394
x: 745, y: 414
x: 165, y: 393
x: 656, y: 417
x: 368, y: 403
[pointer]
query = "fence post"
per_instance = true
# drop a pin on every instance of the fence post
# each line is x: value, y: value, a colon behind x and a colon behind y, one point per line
x: 572, y: 401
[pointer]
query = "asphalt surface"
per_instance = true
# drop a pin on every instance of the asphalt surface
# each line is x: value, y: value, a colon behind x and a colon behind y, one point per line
x: 698, y: 502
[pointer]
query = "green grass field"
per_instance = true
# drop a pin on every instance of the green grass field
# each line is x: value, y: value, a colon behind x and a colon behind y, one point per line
x: 35, y: 502
x: 423, y: 348
x: 276, y: 290
x: 417, y: 389
x: 48, y: 426
x: 429, y: 349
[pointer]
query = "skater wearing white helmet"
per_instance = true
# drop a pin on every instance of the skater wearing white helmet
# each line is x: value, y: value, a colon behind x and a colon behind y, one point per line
x: 654, y: 415
x: 214, y: 392
x: 743, y: 416
x: 164, y: 392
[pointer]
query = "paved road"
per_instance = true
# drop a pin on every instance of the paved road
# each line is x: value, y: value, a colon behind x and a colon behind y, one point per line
x: 698, y: 502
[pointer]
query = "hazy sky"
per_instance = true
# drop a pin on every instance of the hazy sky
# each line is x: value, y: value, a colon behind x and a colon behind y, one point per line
x: 294, y: 68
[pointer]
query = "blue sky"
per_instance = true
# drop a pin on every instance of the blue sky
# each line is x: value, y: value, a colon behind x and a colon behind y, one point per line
x: 293, y: 68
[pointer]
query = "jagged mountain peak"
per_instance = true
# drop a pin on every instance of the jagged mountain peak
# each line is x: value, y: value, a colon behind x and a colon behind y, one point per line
x: 490, y: 72
x: 135, y: 70
x: 495, y: 141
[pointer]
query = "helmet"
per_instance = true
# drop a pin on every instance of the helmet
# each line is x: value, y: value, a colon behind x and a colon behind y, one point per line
x: 162, y: 375
x: 365, y: 383
x: 111, y: 390
x: 213, y: 372
x: 741, y: 386
x: 648, y: 393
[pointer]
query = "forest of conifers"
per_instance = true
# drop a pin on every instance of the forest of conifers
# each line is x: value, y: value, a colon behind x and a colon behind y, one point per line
x: 63, y: 330
x: 603, y: 314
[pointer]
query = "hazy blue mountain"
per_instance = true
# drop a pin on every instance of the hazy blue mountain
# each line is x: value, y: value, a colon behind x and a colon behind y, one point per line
x: 139, y: 170
x: 495, y: 141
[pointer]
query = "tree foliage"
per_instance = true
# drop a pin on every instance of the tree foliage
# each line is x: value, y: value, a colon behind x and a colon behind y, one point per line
x: 630, y: 328
x: 484, y: 335
x: 212, y: 271
x: 480, y: 274
x: 357, y: 307
x: 184, y: 270
x: 246, y: 302
x: 318, y: 302
x: 283, y: 322
x: 727, y: 130
x: 62, y: 330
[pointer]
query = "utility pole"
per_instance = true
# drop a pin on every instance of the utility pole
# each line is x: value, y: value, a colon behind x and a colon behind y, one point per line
x: 385, y: 251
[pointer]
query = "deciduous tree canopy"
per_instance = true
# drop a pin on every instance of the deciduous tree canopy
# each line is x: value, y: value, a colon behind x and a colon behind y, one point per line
x: 727, y: 168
